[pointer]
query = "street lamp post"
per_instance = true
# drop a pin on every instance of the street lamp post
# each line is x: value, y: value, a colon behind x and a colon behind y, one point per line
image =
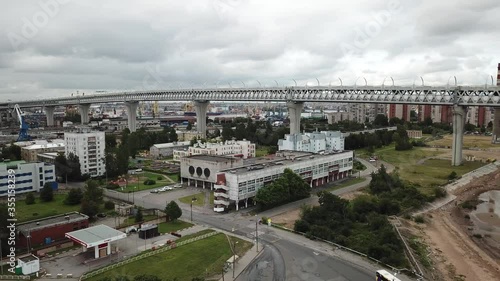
x: 192, y: 200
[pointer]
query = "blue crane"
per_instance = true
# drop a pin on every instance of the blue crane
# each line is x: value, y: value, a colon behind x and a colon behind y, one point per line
x: 23, y: 126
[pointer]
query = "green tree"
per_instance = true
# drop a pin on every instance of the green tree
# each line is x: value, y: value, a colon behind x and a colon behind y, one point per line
x: 189, y: 126
x: 89, y: 208
x: 452, y: 175
x: 92, y: 198
x: 75, y: 172
x: 74, y: 197
x: 173, y: 211
x: 381, y: 120
x: 12, y: 152
x: 30, y: 199
x: 288, y: 187
x: 47, y: 193
x: 92, y: 192
x: 110, y: 140
x: 4, y: 231
x: 138, y: 215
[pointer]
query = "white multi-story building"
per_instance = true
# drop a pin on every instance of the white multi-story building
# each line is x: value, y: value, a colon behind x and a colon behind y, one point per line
x: 314, y: 142
x: 89, y: 147
x: 28, y: 176
x: 238, y: 185
x: 242, y: 149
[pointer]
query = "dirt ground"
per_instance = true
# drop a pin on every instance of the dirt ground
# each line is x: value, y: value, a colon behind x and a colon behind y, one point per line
x: 456, y: 254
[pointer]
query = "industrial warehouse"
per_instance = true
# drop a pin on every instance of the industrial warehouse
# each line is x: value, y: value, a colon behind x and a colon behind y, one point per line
x: 236, y: 181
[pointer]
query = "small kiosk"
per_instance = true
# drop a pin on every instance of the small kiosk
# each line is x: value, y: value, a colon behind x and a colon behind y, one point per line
x: 98, y: 237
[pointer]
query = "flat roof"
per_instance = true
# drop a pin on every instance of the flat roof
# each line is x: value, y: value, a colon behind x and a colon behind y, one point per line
x: 171, y: 144
x: 211, y: 158
x: 72, y: 217
x: 285, y: 158
x: 29, y: 258
x: 95, y: 235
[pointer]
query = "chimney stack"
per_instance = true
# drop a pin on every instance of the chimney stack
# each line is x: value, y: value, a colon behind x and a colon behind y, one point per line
x: 498, y: 75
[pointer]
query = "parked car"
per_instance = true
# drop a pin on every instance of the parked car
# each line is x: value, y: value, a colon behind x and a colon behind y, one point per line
x: 101, y: 215
x: 154, y: 191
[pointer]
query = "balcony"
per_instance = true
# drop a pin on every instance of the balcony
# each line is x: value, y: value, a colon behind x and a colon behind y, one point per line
x: 221, y: 194
x: 221, y: 202
x: 223, y: 187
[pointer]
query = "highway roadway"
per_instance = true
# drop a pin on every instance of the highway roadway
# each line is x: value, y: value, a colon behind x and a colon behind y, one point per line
x: 286, y: 256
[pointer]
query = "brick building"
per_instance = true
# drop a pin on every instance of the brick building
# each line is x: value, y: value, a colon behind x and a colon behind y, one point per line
x: 48, y: 230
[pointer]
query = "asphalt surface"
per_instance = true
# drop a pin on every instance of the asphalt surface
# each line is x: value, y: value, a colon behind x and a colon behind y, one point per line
x: 286, y: 256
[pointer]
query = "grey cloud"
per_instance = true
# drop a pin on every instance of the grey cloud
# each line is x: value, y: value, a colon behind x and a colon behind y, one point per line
x: 96, y: 45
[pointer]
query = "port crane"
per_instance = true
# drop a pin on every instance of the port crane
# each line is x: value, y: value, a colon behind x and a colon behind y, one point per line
x: 23, y: 126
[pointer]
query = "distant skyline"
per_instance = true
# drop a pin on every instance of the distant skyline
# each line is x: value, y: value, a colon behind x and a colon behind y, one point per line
x: 57, y: 47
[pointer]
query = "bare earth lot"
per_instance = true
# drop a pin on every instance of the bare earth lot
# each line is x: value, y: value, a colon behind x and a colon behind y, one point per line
x: 455, y: 252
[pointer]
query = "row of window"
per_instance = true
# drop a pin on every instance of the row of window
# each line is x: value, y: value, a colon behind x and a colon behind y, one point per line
x: 17, y: 189
x: 17, y: 182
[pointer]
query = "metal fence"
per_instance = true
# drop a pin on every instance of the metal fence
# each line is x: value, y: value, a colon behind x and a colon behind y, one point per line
x: 145, y: 255
x: 398, y: 270
x: 15, y: 277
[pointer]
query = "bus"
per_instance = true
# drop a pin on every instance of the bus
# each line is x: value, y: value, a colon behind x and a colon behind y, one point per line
x: 383, y: 275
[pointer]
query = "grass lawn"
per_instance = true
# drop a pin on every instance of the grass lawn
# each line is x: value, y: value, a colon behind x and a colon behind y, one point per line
x: 174, y: 177
x: 131, y: 220
x: 469, y: 141
x: 134, y: 186
x: 428, y: 173
x: 200, y: 199
x: 43, y: 209
x: 202, y: 258
x: 167, y: 227
x: 212, y: 197
x: 347, y: 183
x: 261, y: 151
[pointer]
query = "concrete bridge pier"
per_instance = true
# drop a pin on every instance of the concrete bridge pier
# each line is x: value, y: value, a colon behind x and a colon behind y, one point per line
x: 49, y: 112
x: 84, y: 113
x: 201, y: 116
x: 132, y: 115
x: 496, y: 126
x: 294, y: 111
x: 459, y: 115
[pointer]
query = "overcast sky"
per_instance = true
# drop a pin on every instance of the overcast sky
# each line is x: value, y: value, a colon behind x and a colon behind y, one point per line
x: 64, y: 46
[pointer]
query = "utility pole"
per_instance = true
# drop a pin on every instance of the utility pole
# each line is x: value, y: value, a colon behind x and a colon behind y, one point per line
x: 256, y: 236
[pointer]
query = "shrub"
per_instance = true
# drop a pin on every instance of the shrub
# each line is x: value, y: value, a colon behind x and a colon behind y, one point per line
x: 109, y: 205
x: 47, y: 193
x: 477, y: 235
x: 30, y: 199
x: 452, y: 175
x: 74, y: 197
x: 159, y: 178
x: 149, y: 182
x: 467, y: 216
x: 439, y: 192
x: 469, y: 204
x: 112, y: 186
x: 419, y: 219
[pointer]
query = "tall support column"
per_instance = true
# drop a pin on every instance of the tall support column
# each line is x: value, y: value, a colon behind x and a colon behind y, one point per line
x: 132, y: 115
x: 201, y: 116
x: 496, y: 126
x: 49, y: 112
x: 84, y: 113
x: 459, y: 114
x: 294, y: 111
